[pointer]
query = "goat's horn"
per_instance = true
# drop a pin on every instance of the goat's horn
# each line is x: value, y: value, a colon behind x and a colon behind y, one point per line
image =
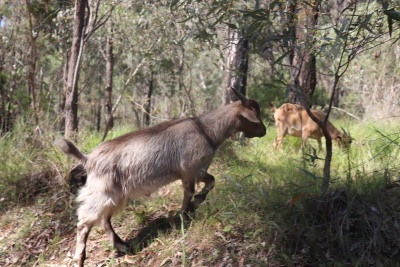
x: 240, y: 96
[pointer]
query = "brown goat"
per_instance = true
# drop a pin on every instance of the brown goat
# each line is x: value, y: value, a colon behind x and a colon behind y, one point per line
x: 292, y: 119
x: 138, y: 163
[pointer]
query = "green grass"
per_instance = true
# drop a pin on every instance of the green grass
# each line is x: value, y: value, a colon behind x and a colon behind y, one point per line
x: 266, y: 208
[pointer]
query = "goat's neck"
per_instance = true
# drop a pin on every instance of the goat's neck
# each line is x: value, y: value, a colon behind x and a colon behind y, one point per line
x: 333, y: 131
x: 220, y: 124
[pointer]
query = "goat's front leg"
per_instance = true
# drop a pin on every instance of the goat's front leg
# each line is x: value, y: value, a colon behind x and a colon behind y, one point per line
x: 282, y: 132
x: 277, y: 143
x: 116, y: 241
x: 304, y: 138
x: 209, y: 183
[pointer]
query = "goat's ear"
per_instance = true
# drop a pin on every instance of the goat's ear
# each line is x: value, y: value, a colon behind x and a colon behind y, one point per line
x: 240, y: 96
x: 272, y: 107
x: 250, y: 116
x: 340, y: 140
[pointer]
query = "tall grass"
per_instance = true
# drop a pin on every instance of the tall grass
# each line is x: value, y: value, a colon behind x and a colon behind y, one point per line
x: 265, y: 210
x: 30, y: 164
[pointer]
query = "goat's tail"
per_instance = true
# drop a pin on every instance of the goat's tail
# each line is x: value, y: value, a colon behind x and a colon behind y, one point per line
x: 70, y: 149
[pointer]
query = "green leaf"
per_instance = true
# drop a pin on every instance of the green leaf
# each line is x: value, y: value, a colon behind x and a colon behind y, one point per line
x: 391, y: 13
x: 384, y: 3
x: 273, y: 4
x: 281, y: 57
x: 232, y: 26
x: 227, y: 229
x: 174, y: 2
x: 390, y: 23
x: 253, y: 27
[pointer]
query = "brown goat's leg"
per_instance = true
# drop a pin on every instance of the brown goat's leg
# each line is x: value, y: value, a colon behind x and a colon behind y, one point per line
x: 209, y: 183
x: 81, y: 239
x: 304, y: 138
x: 278, y: 142
x: 319, y: 144
x: 116, y: 241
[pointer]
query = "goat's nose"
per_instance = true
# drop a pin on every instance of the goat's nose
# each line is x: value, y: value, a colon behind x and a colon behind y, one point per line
x: 264, y: 131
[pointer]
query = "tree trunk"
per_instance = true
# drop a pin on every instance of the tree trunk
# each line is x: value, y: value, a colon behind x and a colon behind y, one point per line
x: 180, y: 82
x: 98, y: 117
x: 71, y: 88
x: 3, y: 101
x: 236, y: 65
x: 108, y: 116
x: 303, y: 19
x: 32, y: 61
x: 336, y: 97
x: 147, y: 106
x: 61, y: 107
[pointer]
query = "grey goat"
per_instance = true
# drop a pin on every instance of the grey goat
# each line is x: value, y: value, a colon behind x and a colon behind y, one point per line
x: 138, y: 163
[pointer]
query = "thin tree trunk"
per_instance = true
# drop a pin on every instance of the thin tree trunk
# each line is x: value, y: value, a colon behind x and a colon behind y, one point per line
x: 233, y: 40
x: 147, y: 106
x: 336, y: 97
x: 33, y: 56
x: 180, y: 81
x: 61, y: 108
x: 98, y: 117
x: 328, y: 159
x: 108, y: 112
x: 3, y: 100
x: 71, y: 88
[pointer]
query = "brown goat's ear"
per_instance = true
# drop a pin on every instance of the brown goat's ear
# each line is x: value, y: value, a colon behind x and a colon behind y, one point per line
x: 272, y: 107
x: 250, y: 116
x: 240, y: 96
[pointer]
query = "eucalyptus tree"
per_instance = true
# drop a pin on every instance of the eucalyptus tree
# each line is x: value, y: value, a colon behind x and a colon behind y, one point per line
x: 108, y: 116
x: 87, y: 20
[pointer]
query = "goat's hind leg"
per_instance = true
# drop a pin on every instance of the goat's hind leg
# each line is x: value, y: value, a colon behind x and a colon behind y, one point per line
x: 116, y: 241
x: 188, y: 192
x: 209, y: 183
x: 83, y: 229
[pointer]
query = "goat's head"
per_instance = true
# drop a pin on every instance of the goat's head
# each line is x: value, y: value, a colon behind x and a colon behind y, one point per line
x: 250, y: 118
x: 344, y: 139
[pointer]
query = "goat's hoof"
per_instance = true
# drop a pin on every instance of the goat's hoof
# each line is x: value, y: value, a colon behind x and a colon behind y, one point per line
x: 121, y: 246
x: 79, y: 259
x: 198, y: 199
x: 187, y: 216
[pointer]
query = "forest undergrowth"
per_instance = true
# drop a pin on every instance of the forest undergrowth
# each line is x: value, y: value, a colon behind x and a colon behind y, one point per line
x: 266, y: 208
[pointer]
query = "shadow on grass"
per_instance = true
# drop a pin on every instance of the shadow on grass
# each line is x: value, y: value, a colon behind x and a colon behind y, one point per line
x: 158, y: 224
x: 151, y: 230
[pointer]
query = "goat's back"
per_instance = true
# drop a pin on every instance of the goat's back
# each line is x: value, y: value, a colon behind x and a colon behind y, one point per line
x: 151, y: 157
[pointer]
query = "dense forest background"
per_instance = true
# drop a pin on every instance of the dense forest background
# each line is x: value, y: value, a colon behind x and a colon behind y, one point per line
x: 91, y: 70
x: 144, y: 62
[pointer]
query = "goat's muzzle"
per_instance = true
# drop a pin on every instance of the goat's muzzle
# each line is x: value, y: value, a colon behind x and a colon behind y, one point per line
x: 258, y: 131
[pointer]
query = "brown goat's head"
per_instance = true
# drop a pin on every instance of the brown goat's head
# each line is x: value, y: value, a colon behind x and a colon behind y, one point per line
x: 250, y: 117
x: 344, y: 140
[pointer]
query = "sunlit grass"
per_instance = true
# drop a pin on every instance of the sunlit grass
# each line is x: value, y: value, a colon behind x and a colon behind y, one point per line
x: 266, y: 203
